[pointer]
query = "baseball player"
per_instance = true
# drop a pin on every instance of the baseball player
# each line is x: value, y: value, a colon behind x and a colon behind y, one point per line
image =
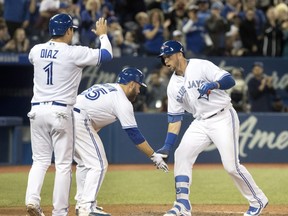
x: 57, y: 74
x: 198, y: 87
x: 97, y: 107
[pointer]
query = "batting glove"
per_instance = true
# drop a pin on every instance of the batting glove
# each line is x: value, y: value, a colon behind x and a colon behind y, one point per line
x: 159, y: 162
x: 205, y: 88
x: 164, y: 151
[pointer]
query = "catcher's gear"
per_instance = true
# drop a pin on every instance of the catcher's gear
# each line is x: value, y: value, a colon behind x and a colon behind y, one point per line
x: 59, y: 24
x: 159, y: 162
x: 131, y: 74
x: 205, y: 88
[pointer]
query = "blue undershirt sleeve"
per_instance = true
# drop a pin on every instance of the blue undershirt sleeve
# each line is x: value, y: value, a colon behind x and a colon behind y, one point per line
x: 105, y: 55
x: 105, y: 48
x: 174, y: 118
x: 226, y: 82
x: 135, y: 135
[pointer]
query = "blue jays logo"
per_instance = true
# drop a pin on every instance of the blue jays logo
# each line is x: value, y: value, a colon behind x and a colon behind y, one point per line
x: 195, y: 84
x: 181, y: 94
x: 206, y: 96
x: 166, y: 48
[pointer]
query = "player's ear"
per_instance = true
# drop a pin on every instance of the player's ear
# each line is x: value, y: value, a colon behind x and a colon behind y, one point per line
x: 131, y: 84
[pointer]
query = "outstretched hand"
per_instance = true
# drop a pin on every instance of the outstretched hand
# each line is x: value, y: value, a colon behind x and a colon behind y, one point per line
x: 164, y: 153
x: 159, y: 162
x: 100, y: 27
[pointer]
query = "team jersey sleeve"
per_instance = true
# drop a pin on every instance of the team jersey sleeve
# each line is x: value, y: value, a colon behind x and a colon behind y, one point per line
x: 84, y: 56
x: 174, y: 107
x: 213, y: 72
x: 30, y: 57
x: 125, y: 113
x: 105, y: 49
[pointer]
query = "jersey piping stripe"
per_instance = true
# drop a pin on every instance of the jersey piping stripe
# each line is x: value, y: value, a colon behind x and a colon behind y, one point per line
x: 49, y: 102
x: 236, y: 164
x: 98, y: 154
x: 76, y: 110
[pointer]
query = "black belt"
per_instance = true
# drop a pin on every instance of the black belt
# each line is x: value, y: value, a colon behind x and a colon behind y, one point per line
x: 53, y: 103
x: 76, y: 110
x: 216, y: 113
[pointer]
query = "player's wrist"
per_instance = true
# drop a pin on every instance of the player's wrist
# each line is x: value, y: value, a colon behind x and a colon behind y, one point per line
x: 170, y: 141
x: 216, y: 85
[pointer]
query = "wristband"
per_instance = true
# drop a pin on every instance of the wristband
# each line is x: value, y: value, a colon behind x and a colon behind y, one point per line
x: 170, y: 140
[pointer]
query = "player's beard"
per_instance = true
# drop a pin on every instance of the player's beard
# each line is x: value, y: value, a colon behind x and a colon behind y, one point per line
x: 133, y: 94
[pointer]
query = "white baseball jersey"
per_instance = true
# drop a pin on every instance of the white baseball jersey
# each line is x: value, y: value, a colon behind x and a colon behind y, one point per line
x: 58, y: 70
x: 215, y: 122
x: 98, y: 106
x: 183, y: 94
x: 57, y: 74
x: 105, y: 103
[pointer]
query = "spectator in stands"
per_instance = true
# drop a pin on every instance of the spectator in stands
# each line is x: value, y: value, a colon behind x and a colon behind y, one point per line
x: 19, y: 43
x: 156, y: 96
x: 47, y: 9
x: 177, y: 35
x: 273, y: 36
x: 284, y: 27
x: 33, y: 33
x: 203, y: 10
x: 177, y: 15
x: 73, y: 10
x: 141, y: 19
x: 117, y: 41
x: 126, y: 10
x: 278, y: 105
x: 248, y: 34
x: 1, y: 8
x: 264, y: 4
x: 89, y: 16
x: 155, y: 32
x: 107, y: 9
x: 115, y: 34
x: 156, y: 91
x: 4, y: 35
x: 82, y: 5
x: 129, y: 47
x: 281, y: 11
x: 239, y: 92
x: 194, y: 33
x: 231, y: 9
x: 16, y: 14
x: 260, y: 90
x: 216, y: 26
x: 234, y: 45
x: 259, y: 18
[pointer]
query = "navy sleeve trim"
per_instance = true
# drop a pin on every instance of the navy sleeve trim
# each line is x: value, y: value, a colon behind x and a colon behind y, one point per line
x: 135, y: 135
x: 175, y: 118
x: 226, y: 82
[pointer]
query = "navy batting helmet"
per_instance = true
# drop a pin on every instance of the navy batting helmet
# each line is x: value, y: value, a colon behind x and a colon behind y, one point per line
x: 59, y: 24
x: 170, y: 47
x: 131, y: 74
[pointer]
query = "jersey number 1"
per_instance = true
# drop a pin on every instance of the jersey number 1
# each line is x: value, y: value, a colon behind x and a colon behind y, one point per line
x: 49, y: 70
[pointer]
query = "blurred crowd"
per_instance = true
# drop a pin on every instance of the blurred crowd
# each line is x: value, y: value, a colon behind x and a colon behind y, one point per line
x: 139, y: 27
